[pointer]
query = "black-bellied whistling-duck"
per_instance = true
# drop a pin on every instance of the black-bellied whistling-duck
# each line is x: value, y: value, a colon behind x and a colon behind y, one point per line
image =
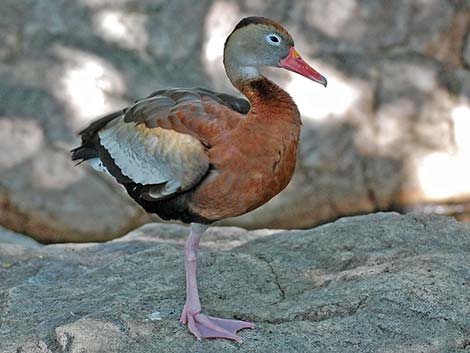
x: 198, y: 156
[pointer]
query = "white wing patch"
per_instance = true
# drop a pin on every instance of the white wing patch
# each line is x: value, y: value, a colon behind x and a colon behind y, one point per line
x: 155, y: 155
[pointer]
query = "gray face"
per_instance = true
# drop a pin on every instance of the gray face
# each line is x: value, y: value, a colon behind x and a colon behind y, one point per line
x: 258, y: 45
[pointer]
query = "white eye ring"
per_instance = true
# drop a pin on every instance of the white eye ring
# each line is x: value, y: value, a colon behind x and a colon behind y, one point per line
x: 274, y: 39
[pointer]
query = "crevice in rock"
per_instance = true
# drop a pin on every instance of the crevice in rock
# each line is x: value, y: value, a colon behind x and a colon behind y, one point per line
x: 276, y: 278
x: 465, y: 43
x: 320, y: 314
x: 377, y: 86
x: 370, y: 192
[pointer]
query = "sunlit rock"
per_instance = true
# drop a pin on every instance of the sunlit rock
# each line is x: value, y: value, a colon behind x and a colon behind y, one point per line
x: 220, y: 20
x: 443, y: 176
x: 88, y: 85
x: 461, y: 124
x: 318, y: 103
x: 127, y: 30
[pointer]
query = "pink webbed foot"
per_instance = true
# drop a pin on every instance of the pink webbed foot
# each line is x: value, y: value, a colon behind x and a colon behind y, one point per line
x: 204, y: 326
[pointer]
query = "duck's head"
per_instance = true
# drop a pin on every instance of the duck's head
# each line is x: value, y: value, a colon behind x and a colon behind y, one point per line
x: 259, y: 41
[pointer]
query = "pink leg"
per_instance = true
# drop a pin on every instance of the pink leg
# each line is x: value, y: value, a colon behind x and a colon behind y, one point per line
x: 199, y: 324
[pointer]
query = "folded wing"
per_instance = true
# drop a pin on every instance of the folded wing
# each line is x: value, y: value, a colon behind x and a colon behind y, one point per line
x: 161, y: 141
x: 171, y: 161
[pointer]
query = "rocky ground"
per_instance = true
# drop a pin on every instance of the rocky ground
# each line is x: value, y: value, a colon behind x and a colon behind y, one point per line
x: 389, y: 132
x: 377, y: 283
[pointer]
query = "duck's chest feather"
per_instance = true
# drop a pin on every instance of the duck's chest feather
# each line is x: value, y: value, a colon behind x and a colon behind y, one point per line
x: 250, y: 165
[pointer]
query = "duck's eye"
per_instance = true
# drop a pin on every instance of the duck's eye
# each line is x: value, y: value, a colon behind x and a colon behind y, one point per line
x: 274, y: 39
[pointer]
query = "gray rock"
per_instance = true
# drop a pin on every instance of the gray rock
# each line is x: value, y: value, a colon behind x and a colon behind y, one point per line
x: 427, y: 38
x: 7, y: 237
x: 355, y: 26
x: 376, y: 283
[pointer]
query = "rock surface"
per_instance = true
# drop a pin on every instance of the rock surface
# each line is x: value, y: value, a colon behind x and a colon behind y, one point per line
x: 376, y: 283
x: 389, y: 132
x: 7, y: 237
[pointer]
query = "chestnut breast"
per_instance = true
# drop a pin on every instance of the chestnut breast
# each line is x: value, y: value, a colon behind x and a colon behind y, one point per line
x: 252, y: 163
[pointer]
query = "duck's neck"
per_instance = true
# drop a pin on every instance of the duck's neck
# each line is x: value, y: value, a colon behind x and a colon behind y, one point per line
x: 269, y: 101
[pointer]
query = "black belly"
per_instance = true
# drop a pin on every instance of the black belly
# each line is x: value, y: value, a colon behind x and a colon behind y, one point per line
x: 172, y: 208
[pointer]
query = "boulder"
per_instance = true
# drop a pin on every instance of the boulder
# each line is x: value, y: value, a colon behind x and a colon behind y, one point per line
x: 377, y: 283
x: 389, y: 132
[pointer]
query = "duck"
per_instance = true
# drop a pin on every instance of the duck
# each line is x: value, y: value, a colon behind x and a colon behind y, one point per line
x: 199, y: 156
